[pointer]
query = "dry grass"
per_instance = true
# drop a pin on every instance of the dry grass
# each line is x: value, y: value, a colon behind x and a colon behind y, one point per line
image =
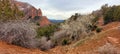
x: 108, y: 49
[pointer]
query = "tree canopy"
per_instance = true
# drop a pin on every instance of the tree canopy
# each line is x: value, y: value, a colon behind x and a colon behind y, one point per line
x: 111, y: 13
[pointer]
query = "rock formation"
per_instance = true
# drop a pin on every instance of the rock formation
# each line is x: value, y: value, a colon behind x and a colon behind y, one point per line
x: 44, y: 21
x: 31, y: 12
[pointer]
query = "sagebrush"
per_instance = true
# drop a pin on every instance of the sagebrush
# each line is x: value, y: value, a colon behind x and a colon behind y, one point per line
x: 18, y: 32
x: 23, y: 33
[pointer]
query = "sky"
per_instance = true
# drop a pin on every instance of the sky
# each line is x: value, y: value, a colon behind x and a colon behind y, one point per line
x: 63, y: 9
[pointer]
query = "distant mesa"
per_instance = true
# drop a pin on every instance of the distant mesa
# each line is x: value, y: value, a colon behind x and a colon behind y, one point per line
x: 56, y: 21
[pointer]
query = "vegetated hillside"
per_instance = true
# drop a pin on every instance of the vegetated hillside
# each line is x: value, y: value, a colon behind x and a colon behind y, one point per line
x: 74, y: 36
x: 106, y: 39
x: 46, y: 42
x: 17, y: 31
x: 75, y: 28
x: 106, y: 42
x: 94, y: 44
x: 108, y: 13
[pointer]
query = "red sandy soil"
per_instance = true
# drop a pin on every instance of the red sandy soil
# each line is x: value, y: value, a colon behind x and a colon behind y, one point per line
x: 12, y: 49
x: 111, y: 25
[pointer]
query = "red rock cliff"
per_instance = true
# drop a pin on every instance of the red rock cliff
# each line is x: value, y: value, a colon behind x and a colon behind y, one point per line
x: 39, y: 12
x: 31, y: 11
x: 28, y: 9
x: 44, y: 21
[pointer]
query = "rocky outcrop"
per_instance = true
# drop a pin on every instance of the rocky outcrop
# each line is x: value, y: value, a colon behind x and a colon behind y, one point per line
x: 39, y: 12
x: 31, y: 13
x: 28, y: 9
x: 44, y: 21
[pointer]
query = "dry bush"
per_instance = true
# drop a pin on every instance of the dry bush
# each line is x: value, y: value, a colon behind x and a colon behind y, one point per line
x: 20, y: 33
x: 78, y: 26
x: 23, y: 33
x: 108, y: 49
x: 45, y: 44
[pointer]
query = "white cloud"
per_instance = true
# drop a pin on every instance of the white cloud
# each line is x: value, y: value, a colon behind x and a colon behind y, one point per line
x: 63, y: 9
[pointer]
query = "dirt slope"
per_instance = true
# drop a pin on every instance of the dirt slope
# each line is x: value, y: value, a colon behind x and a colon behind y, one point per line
x: 111, y: 25
x: 111, y: 36
x: 11, y: 49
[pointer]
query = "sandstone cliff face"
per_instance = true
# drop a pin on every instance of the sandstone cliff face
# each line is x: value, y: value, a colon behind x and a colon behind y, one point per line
x: 31, y: 12
x: 39, y: 12
x: 44, y: 21
x: 28, y: 9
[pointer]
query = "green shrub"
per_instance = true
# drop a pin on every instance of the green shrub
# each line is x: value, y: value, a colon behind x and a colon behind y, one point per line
x: 94, y: 21
x: 111, y: 13
x: 98, y: 30
x: 46, y: 31
x: 65, y: 42
x: 38, y: 24
x: 92, y: 27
